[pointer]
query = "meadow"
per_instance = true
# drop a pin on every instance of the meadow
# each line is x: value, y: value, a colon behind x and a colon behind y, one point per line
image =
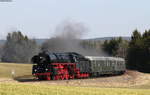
x: 36, y: 89
x: 40, y: 88
x: 6, y: 70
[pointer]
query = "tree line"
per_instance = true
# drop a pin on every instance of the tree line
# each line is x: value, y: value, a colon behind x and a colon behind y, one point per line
x: 19, y: 48
x: 136, y: 51
x: 138, y: 56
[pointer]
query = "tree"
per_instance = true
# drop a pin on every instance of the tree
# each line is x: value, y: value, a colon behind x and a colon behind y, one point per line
x: 18, y: 48
x: 1, y: 50
x: 145, y: 53
x: 122, y: 50
x: 139, y: 51
x: 112, y: 46
x: 133, y: 50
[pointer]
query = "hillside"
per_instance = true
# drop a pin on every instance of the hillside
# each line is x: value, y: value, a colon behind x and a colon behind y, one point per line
x: 40, y: 41
x: 2, y: 42
x: 109, y: 38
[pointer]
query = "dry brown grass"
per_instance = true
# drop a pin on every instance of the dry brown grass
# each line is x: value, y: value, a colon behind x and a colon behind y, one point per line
x: 131, y: 79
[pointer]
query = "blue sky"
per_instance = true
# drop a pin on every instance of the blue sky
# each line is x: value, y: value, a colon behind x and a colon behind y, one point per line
x: 39, y: 18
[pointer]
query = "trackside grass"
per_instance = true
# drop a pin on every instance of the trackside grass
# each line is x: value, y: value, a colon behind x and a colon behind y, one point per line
x: 36, y: 89
x: 6, y: 70
x: 14, y: 87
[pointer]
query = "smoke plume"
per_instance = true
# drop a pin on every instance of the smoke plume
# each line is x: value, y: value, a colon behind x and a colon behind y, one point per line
x: 68, y: 39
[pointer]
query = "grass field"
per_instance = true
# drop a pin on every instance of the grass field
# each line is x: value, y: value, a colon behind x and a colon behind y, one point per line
x: 6, y: 70
x: 45, y: 88
x: 36, y: 89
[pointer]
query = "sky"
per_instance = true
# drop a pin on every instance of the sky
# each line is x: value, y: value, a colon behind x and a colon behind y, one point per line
x: 103, y: 18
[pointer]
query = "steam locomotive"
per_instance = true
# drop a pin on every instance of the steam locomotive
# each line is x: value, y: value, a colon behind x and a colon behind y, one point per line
x: 70, y: 65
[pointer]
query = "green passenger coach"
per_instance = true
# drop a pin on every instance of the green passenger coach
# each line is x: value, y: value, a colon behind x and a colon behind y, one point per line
x: 106, y: 65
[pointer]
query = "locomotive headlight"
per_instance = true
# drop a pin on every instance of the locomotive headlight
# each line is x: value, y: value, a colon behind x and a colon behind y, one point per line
x: 46, y: 69
x: 35, y: 70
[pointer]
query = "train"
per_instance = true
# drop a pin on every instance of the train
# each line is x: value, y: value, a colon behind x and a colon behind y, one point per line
x: 72, y: 65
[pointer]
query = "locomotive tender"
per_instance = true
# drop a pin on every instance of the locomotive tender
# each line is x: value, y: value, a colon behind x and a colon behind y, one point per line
x: 70, y: 65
